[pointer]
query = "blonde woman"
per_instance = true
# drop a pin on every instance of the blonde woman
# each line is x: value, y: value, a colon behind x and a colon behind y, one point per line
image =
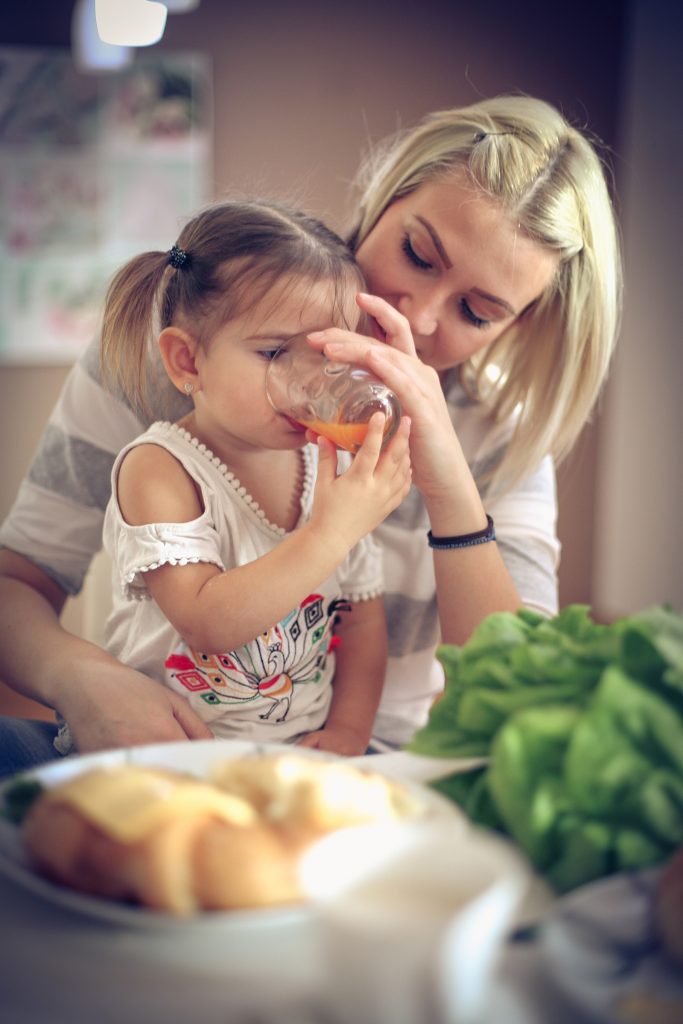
x: 488, y: 241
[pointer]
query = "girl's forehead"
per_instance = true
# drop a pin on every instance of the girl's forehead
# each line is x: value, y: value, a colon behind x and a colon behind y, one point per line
x: 297, y: 299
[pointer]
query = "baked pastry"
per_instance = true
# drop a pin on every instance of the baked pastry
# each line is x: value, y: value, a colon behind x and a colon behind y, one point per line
x: 306, y: 799
x: 174, y: 843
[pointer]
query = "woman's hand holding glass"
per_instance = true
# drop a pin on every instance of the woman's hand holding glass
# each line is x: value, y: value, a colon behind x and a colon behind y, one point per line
x: 332, y: 399
x: 435, y: 449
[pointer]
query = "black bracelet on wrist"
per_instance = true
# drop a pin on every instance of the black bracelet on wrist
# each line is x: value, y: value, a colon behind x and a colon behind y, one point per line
x: 465, y: 540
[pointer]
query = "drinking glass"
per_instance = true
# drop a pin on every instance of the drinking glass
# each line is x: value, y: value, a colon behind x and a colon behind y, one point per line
x: 332, y: 399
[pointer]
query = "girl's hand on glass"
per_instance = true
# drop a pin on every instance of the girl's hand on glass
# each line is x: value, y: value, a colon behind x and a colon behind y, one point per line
x: 435, y: 449
x: 352, y: 504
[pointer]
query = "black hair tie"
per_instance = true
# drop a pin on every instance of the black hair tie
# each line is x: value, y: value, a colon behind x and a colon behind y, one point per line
x: 177, y: 257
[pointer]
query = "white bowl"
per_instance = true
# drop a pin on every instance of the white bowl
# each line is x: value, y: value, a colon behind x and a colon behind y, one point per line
x: 198, y: 758
x: 414, y: 930
x: 364, y: 954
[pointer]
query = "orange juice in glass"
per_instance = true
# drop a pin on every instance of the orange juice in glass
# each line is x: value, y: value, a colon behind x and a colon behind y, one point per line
x: 332, y: 399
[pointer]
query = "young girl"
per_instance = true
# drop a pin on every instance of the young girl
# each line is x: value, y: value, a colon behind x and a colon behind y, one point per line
x: 246, y: 579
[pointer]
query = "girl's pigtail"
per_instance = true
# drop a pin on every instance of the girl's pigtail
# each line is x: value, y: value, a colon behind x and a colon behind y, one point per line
x: 129, y: 319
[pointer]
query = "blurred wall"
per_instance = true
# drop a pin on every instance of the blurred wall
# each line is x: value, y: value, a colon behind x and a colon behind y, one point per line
x: 638, y: 549
x: 299, y: 90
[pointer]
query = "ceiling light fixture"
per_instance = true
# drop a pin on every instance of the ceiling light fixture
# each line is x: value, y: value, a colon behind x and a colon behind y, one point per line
x: 130, y: 22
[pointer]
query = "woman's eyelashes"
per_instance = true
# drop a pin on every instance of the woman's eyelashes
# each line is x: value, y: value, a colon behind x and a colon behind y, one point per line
x: 469, y: 314
x: 407, y: 247
x: 269, y: 353
x: 466, y: 310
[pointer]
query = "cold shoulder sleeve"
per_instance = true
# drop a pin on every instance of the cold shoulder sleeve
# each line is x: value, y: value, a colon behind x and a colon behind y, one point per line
x: 136, y: 550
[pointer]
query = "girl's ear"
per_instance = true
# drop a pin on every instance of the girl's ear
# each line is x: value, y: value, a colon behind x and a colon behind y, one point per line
x: 178, y: 350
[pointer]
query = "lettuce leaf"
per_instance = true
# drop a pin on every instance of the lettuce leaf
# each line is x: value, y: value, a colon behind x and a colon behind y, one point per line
x: 583, y: 727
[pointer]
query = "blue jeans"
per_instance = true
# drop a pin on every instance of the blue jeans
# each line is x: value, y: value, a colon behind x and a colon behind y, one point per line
x: 25, y: 743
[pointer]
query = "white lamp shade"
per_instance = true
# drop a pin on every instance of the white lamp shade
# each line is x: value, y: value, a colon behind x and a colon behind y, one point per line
x: 130, y: 22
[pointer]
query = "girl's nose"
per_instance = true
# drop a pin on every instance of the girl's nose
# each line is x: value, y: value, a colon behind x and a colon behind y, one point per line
x: 420, y: 312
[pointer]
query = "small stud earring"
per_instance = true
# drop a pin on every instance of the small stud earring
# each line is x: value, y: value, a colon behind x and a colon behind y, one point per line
x: 188, y: 387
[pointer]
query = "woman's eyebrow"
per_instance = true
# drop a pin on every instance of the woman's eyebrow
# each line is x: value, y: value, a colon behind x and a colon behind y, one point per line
x: 494, y: 298
x: 435, y: 239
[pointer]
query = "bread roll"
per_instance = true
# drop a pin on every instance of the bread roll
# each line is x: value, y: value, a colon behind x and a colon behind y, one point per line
x: 307, y: 798
x: 157, y: 839
x: 177, y: 844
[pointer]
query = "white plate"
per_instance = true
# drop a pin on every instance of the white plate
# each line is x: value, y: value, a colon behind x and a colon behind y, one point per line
x: 196, y: 758
x: 600, y: 945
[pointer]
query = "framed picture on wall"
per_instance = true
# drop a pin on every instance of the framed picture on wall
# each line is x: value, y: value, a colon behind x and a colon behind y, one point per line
x: 93, y: 169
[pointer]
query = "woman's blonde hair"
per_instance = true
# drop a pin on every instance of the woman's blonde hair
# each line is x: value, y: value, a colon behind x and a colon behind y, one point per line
x: 548, y: 367
x: 226, y: 260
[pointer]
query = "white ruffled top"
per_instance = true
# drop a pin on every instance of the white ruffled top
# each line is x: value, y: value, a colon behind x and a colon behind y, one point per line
x: 231, y: 531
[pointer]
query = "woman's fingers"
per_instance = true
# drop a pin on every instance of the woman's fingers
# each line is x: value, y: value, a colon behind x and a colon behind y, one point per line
x: 393, y: 462
x: 342, y: 346
x: 398, y: 451
x: 399, y: 445
x: 416, y: 384
x: 396, y: 329
x: 392, y: 331
x: 188, y: 720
